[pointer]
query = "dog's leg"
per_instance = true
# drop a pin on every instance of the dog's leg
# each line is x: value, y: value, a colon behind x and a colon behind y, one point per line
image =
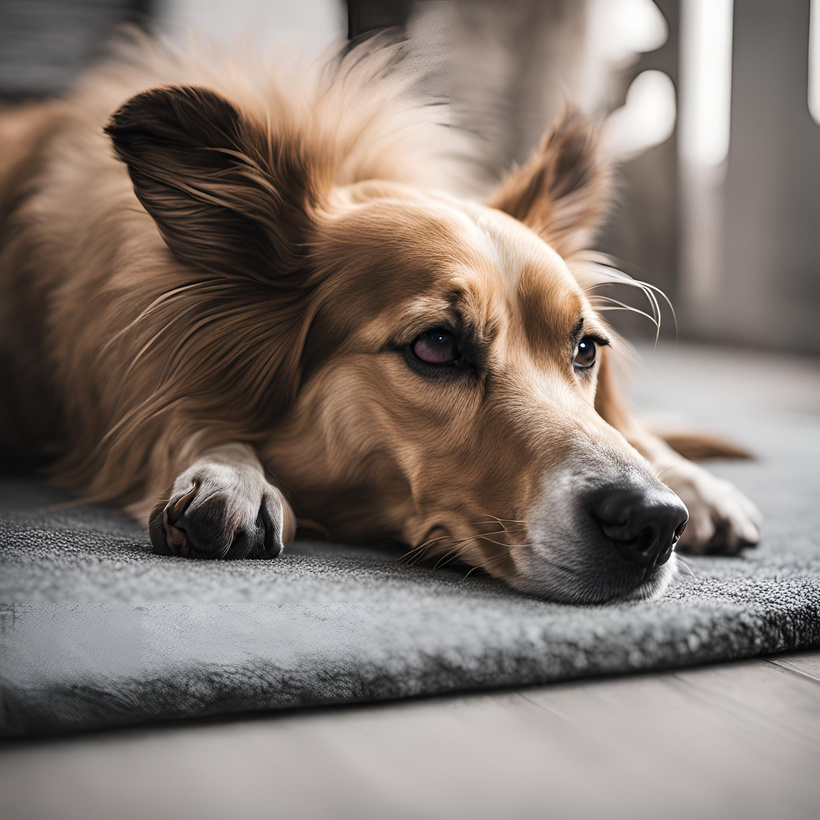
x: 721, y: 518
x: 222, y: 506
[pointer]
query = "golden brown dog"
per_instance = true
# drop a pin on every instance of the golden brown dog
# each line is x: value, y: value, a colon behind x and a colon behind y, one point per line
x: 231, y: 297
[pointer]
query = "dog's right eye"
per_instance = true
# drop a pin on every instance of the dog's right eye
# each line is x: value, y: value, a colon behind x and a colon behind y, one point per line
x: 437, y: 347
x: 585, y: 353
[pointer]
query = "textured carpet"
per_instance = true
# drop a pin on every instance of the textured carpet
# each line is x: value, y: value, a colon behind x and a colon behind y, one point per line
x: 96, y: 632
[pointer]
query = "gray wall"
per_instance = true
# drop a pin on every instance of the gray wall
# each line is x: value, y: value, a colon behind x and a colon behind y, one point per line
x: 767, y: 289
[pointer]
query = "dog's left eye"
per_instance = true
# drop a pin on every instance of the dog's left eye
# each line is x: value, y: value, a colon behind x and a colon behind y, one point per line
x: 585, y: 353
x: 438, y: 346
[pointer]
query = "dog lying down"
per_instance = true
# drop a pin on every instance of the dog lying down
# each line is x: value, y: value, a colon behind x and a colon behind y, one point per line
x: 234, y: 299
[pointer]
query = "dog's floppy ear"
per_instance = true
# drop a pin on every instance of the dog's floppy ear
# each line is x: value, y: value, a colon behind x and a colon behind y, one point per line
x: 224, y: 196
x: 562, y: 191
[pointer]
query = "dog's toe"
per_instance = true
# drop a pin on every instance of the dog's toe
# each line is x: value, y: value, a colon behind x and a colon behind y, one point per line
x: 211, y: 520
x: 722, y: 521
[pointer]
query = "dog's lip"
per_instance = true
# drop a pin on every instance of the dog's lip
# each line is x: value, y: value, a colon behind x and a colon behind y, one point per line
x: 572, y: 591
x: 644, y: 591
x: 650, y: 577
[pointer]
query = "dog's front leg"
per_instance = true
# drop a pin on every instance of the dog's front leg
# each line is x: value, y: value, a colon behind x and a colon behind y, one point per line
x: 222, y: 506
x: 721, y: 518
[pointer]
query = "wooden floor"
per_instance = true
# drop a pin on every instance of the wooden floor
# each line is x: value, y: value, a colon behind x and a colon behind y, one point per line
x: 731, y: 741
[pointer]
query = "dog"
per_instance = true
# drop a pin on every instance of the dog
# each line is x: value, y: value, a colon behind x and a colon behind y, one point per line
x: 236, y: 299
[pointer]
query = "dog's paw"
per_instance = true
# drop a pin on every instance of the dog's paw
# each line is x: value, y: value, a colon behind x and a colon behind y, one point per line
x: 221, y: 511
x: 721, y: 519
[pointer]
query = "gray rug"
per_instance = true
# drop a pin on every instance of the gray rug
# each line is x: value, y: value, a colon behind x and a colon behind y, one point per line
x: 96, y: 632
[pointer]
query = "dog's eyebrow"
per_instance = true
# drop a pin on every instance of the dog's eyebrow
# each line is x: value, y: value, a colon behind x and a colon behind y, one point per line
x: 577, y: 332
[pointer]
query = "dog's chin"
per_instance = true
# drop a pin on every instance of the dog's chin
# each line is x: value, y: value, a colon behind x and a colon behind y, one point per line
x: 655, y: 585
x: 582, y: 589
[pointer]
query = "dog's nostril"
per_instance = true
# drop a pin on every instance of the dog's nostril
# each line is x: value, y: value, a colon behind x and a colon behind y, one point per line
x: 644, y: 549
x: 644, y: 527
x: 646, y: 539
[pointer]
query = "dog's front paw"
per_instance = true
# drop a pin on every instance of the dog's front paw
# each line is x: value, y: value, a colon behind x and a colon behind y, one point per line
x: 221, y: 511
x: 721, y: 519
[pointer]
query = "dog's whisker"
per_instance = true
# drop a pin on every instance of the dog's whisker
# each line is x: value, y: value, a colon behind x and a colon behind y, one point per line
x: 484, y: 565
x: 462, y: 547
x: 449, y: 556
x: 603, y: 271
x: 504, y: 521
x: 459, y: 547
x: 501, y: 543
x: 614, y: 304
x: 504, y: 529
x: 425, y: 545
x: 662, y: 472
x: 686, y: 566
x: 413, y: 556
x: 418, y: 553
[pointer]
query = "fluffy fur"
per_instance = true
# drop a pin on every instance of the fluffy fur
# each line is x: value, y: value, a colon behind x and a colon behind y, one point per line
x: 212, y: 276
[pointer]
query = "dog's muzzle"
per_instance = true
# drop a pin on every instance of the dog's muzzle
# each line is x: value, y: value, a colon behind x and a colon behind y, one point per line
x: 644, y: 525
x: 603, y: 529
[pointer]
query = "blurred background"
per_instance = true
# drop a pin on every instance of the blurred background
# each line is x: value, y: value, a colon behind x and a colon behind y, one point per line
x: 712, y: 108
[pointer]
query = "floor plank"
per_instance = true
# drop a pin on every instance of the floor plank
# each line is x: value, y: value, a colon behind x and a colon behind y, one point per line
x: 803, y: 663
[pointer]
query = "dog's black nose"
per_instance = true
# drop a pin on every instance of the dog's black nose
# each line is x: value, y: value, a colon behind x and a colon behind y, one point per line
x: 643, y: 525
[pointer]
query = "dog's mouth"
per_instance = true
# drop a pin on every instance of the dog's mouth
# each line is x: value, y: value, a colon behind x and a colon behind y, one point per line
x: 602, y: 530
x: 654, y: 584
x: 589, y: 584
x: 491, y: 549
x: 583, y: 574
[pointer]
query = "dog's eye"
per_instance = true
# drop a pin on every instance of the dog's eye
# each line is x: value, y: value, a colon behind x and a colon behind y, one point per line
x: 438, y: 346
x: 585, y: 353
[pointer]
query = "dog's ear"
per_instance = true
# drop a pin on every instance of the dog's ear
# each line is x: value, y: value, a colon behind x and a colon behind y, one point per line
x: 224, y: 196
x: 562, y: 191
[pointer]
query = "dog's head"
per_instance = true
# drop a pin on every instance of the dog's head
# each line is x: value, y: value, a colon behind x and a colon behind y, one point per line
x: 450, y: 383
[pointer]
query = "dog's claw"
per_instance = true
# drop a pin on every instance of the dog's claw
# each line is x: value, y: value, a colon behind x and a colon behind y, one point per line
x: 175, y: 510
